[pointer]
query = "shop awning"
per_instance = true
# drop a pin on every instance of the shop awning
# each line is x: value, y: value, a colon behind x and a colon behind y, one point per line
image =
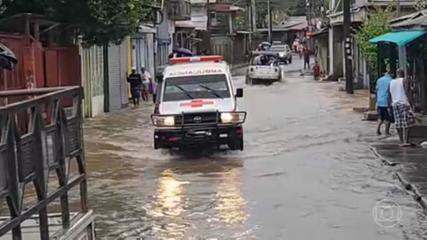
x: 399, y: 38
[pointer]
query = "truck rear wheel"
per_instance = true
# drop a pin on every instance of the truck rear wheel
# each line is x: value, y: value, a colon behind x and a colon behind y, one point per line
x: 248, y: 80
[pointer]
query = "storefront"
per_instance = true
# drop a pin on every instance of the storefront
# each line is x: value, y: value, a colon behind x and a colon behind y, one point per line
x: 407, y: 50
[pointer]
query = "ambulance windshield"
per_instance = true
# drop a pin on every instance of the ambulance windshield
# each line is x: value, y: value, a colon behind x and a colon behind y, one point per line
x: 192, y: 87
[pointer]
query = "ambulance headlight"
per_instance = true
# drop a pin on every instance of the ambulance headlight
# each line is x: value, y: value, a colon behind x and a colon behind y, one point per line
x: 163, y: 121
x: 233, y: 117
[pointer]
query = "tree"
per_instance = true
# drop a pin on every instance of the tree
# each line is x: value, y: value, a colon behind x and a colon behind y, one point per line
x: 98, y: 21
x: 376, y: 24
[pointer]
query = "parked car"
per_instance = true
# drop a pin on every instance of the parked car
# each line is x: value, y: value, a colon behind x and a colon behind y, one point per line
x: 284, y: 52
x: 264, y: 67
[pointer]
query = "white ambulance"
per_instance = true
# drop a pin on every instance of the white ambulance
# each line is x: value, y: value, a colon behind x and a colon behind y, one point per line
x: 197, y: 105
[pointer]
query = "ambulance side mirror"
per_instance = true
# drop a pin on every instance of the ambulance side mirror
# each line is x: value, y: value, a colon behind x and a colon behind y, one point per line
x: 239, y: 92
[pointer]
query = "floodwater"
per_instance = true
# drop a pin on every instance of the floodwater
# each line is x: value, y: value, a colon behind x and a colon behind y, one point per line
x: 306, y: 173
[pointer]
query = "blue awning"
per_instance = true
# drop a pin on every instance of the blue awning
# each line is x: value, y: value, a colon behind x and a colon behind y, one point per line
x: 399, y: 38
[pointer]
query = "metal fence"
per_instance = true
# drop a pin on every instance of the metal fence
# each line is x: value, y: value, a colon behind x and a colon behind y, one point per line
x: 41, y: 133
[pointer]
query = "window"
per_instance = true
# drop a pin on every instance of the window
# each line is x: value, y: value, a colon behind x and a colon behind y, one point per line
x: 192, y: 87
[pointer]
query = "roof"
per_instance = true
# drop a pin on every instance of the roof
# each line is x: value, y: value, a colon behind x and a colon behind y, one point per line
x: 400, y: 38
x: 357, y: 15
x: 146, y: 29
x: 185, y: 24
x: 293, y: 20
x: 320, y: 32
x: 418, y: 19
x: 196, y: 68
x: 293, y: 23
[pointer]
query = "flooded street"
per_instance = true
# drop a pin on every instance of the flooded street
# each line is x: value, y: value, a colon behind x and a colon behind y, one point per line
x: 306, y: 173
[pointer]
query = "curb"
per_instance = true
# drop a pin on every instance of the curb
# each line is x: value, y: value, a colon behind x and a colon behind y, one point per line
x: 409, y: 188
x: 412, y: 190
x: 383, y: 159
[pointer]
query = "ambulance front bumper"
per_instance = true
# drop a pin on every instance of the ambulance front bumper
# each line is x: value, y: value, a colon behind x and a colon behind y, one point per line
x: 192, y: 129
x: 196, y: 136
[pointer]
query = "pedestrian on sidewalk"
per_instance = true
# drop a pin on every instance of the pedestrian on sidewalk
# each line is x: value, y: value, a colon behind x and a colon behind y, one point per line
x: 403, y: 115
x: 152, y: 88
x: 135, y: 82
x: 306, y: 53
x: 383, y: 103
x: 300, y: 50
x: 146, y: 78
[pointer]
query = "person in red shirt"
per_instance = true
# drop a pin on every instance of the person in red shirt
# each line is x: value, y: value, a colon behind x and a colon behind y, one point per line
x: 316, y: 71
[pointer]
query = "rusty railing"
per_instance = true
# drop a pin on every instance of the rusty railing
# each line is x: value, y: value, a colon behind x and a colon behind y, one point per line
x: 41, y: 135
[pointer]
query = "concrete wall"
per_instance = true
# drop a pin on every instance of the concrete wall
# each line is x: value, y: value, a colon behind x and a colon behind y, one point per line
x: 143, y: 52
x: 117, y: 75
x: 92, y: 66
x: 322, y: 52
x: 336, y: 51
x: 223, y: 46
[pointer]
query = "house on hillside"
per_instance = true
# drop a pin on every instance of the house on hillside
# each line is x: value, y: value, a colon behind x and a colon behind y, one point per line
x: 287, y: 30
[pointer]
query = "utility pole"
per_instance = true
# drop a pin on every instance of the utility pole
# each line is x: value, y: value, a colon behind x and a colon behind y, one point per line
x: 347, y: 47
x: 251, y: 23
x: 398, y: 8
x: 208, y: 28
x: 270, y: 22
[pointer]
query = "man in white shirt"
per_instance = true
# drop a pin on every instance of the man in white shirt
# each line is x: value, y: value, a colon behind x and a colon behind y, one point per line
x: 399, y: 92
x: 146, y: 78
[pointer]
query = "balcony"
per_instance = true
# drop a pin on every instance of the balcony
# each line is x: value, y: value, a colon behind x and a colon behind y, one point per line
x: 179, y: 10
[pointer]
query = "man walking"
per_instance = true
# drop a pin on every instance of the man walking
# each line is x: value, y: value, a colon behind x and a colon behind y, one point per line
x: 383, y: 105
x: 306, y: 53
x: 146, y: 79
x: 135, y: 82
x: 403, y: 116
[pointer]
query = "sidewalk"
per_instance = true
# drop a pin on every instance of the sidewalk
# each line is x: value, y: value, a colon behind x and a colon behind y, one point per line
x: 410, y: 165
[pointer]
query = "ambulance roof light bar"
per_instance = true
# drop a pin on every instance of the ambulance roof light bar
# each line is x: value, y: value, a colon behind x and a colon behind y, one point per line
x: 211, y: 58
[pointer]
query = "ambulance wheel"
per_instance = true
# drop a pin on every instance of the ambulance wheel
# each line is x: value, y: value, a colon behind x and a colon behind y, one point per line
x: 237, y: 144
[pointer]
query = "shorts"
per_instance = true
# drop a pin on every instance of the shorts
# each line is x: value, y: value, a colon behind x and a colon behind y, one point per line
x: 403, y: 115
x: 384, y: 114
x: 136, y: 92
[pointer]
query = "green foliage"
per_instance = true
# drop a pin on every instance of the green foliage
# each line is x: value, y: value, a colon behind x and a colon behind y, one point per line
x: 375, y: 25
x: 99, y: 21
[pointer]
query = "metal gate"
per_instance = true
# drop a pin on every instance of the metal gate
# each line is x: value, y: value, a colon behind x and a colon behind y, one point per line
x: 41, y: 136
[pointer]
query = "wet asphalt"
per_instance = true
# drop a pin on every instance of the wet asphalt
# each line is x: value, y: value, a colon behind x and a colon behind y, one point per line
x: 307, y: 172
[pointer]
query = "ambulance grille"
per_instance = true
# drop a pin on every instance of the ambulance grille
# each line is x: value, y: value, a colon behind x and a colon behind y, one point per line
x: 205, y: 117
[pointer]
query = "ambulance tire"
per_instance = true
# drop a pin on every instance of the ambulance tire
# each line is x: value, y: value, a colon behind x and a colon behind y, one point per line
x: 237, y: 144
x: 156, y: 144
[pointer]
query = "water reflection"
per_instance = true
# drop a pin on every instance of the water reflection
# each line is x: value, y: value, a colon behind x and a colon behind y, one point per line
x: 169, y: 200
x: 231, y: 206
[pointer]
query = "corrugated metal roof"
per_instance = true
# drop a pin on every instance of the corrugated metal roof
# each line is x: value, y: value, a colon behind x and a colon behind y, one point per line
x: 409, y: 21
x: 400, y: 38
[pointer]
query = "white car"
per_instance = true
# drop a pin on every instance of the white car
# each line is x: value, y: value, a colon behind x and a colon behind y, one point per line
x: 284, y: 52
x: 264, y: 68
x: 197, y: 105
